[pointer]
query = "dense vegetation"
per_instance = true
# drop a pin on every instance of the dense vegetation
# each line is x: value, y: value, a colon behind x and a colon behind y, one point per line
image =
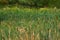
x: 28, y: 20
x: 35, y: 3
x: 29, y: 24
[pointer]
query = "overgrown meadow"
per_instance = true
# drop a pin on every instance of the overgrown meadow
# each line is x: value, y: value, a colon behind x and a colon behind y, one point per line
x: 29, y: 24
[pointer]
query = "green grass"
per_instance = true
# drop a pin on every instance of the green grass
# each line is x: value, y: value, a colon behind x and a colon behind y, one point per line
x: 29, y: 24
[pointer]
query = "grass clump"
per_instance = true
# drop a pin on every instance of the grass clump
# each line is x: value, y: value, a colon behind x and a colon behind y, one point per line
x: 29, y: 24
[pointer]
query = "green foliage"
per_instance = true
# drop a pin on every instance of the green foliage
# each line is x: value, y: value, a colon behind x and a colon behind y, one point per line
x: 37, y: 3
x: 28, y: 24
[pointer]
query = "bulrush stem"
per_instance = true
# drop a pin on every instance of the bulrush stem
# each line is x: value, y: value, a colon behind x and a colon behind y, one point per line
x: 37, y: 37
x: 3, y: 35
x: 32, y: 36
x: 9, y: 33
x: 50, y: 34
x: 26, y: 34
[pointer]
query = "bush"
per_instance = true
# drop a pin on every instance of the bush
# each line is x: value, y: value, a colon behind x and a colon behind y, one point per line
x: 37, y: 3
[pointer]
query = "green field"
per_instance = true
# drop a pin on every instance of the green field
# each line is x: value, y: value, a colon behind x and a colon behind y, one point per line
x: 29, y: 24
